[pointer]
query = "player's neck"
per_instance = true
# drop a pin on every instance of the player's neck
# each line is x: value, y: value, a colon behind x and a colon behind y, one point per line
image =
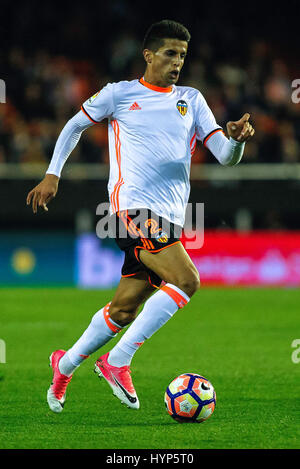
x: 154, y: 81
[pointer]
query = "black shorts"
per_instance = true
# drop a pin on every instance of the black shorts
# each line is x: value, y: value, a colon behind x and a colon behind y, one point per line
x: 142, y: 229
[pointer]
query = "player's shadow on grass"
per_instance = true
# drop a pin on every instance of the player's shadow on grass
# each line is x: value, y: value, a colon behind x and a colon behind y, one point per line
x: 144, y: 424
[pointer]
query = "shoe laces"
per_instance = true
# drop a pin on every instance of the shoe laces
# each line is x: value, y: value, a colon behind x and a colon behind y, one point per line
x: 60, y: 385
x: 124, y: 373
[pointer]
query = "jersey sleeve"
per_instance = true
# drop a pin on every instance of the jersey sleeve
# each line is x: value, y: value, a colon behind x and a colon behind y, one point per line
x: 100, y: 105
x: 205, y: 122
x: 67, y: 141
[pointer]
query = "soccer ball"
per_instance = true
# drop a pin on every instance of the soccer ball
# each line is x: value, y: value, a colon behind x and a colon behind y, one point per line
x: 190, y: 398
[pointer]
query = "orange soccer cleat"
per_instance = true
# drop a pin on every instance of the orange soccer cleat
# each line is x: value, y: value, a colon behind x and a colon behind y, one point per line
x: 56, y: 394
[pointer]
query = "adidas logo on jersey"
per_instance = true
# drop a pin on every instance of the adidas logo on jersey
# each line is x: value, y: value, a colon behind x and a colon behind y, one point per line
x: 134, y: 107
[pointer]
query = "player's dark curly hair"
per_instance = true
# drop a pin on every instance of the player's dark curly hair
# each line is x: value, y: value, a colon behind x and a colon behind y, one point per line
x: 165, y: 29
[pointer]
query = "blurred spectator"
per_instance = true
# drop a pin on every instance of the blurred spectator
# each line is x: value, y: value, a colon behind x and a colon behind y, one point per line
x: 45, y: 88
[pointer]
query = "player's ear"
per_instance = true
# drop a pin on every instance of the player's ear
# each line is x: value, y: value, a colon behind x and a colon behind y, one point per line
x: 148, y: 56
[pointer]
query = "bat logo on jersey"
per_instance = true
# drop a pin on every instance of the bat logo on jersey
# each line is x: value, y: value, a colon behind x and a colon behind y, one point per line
x: 182, y: 107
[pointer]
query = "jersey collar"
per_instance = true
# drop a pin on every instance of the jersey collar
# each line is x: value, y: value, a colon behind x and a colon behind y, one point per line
x: 168, y: 89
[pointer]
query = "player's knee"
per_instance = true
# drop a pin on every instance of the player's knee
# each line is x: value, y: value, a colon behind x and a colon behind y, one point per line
x: 189, y: 283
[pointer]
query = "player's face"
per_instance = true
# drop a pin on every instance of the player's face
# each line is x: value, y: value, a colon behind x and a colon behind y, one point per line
x: 164, y: 65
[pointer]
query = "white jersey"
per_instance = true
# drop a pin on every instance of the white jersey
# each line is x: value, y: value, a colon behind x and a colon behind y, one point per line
x: 152, y: 136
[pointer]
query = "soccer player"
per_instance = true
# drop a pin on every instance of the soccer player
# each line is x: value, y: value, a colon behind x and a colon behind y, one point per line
x: 153, y: 126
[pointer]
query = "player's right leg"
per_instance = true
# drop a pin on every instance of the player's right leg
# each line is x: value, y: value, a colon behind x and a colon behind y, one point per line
x: 130, y: 294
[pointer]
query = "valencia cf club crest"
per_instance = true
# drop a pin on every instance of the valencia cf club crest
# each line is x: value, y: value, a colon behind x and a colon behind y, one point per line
x: 162, y: 237
x: 182, y: 107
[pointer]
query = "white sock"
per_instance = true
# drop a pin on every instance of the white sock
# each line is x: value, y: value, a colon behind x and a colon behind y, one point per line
x: 66, y: 367
x: 101, y: 329
x: 156, y: 312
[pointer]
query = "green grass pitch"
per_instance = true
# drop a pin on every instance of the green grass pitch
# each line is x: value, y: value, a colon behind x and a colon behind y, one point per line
x: 240, y: 339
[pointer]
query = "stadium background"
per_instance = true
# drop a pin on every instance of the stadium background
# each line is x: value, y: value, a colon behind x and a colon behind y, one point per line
x: 244, y: 58
x: 241, y: 63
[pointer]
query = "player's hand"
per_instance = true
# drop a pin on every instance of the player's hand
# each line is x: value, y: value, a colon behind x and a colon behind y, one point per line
x: 241, y: 130
x: 41, y: 194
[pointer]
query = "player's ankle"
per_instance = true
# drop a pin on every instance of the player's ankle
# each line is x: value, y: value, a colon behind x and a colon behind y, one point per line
x: 119, y: 358
x: 65, y: 366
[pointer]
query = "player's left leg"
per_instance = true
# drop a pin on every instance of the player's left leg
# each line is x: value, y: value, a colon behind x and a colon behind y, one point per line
x: 175, y: 266
x: 156, y: 249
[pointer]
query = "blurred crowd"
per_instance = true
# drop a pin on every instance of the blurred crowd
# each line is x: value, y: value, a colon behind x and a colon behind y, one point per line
x: 46, y: 87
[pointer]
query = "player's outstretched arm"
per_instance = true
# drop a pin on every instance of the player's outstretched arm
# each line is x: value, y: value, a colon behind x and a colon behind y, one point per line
x: 93, y: 111
x: 43, y: 193
x: 46, y: 190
